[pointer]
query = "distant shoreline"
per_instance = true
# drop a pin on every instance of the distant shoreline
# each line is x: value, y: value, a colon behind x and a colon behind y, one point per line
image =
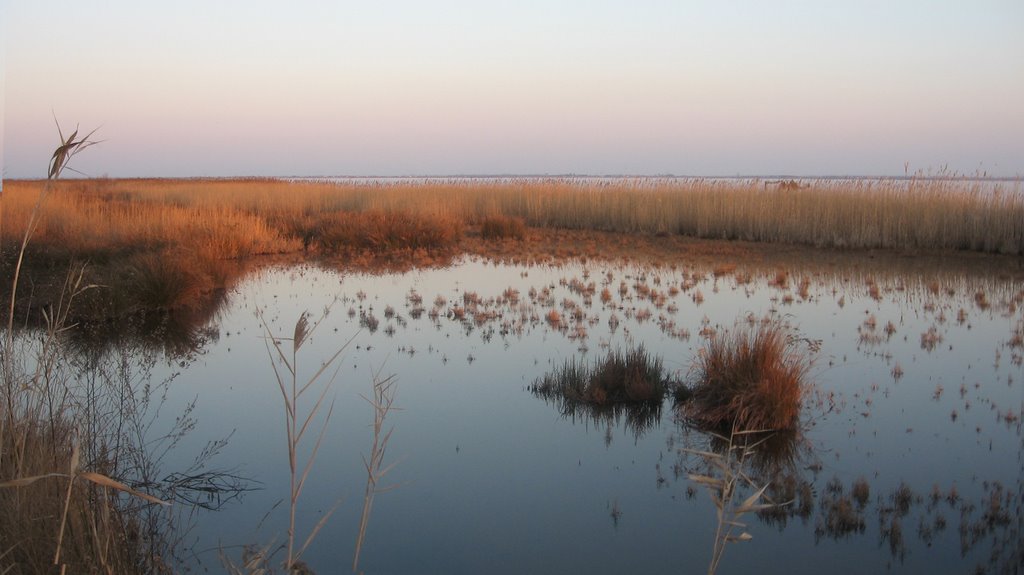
x: 567, y: 177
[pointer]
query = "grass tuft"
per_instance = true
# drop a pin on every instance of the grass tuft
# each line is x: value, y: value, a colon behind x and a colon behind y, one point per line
x: 751, y: 380
x: 632, y: 377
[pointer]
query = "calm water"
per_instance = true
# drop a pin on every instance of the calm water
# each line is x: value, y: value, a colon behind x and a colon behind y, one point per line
x: 982, y: 184
x: 492, y: 479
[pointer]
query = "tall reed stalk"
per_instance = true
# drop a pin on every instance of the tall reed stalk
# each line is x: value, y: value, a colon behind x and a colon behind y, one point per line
x: 298, y: 418
x: 69, y: 148
x: 45, y: 419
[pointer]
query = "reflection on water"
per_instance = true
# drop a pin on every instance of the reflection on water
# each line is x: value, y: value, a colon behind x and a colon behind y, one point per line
x: 638, y: 418
x: 99, y: 402
x: 181, y: 335
x: 124, y: 384
x: 918, y: 386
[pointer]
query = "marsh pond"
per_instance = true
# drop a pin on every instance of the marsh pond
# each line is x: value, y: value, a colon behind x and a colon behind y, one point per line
x: 908, y: 457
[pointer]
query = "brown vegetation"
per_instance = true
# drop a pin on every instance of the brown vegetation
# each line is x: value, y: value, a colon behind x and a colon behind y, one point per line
x: 750, y: 380
x: 502, y: 227
x: 191, y: 235
x: 72, y: 436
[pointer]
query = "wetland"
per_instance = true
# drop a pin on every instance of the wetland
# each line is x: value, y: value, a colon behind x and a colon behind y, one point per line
x: 906, y: 454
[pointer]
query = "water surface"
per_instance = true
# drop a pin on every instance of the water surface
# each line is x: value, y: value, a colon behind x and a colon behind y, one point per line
x: 916, y: 393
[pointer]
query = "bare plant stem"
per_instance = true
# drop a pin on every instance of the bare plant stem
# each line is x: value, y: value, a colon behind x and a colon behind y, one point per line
x: 382, y: 402
x: 297, y: 423
x: 69, y: 147
x: 726, y: 477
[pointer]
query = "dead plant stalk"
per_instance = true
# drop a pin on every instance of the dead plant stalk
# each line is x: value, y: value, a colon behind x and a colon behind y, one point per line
x: 725, y: 479
x: 296, y: 422
x: 383, y: 403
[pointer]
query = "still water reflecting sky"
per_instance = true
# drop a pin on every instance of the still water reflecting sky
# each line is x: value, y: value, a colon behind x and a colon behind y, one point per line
x: 492, y: 479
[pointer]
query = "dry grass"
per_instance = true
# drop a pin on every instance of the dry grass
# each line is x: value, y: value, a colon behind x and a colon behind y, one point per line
x: 750, y: 380
x: 383, y: 401
x: 72, y: 435
x: 37, y: 531
x: 380, y: 231
x: 258, y: 215
x: 724, y: 480
x: 200, y: 229
x: 306, y: 406
x: 502, y: 227
x: 285, y: 364
x: 66, y: 431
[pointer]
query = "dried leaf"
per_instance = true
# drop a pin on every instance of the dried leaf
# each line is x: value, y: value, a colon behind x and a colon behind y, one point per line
x: 23, y: 481
x: 105, y: 481
x: 704, y: 479
x: 754, y: 508
x: 749, y: 501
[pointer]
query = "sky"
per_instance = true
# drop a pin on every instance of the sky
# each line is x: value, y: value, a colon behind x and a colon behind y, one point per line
x: 389, y: 88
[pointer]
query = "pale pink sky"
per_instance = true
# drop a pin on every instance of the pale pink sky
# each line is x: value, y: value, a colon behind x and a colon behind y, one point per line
x: 399, y: 88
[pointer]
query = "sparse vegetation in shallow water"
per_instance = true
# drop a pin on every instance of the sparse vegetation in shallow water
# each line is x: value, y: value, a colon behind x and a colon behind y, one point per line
x: 631, y: 377
x: 752, y: 379
x: 553, y: 317
x: 843, y: 515
x: 861, y: 491
x: 793, y: 497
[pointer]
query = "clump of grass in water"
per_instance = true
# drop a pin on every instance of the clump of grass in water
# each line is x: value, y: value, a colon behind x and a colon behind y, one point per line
x: 752, y: 379
x: 631, y: 377
x: 626, y: 387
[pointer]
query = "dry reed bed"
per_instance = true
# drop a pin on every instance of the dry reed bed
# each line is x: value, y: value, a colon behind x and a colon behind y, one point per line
x: 926, y: 214
x: 95, y: 528
x: 165, y: 242
x: 72, y: 435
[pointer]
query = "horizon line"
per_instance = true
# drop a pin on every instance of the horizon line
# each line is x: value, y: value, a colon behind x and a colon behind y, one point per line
x: 567, y: 175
